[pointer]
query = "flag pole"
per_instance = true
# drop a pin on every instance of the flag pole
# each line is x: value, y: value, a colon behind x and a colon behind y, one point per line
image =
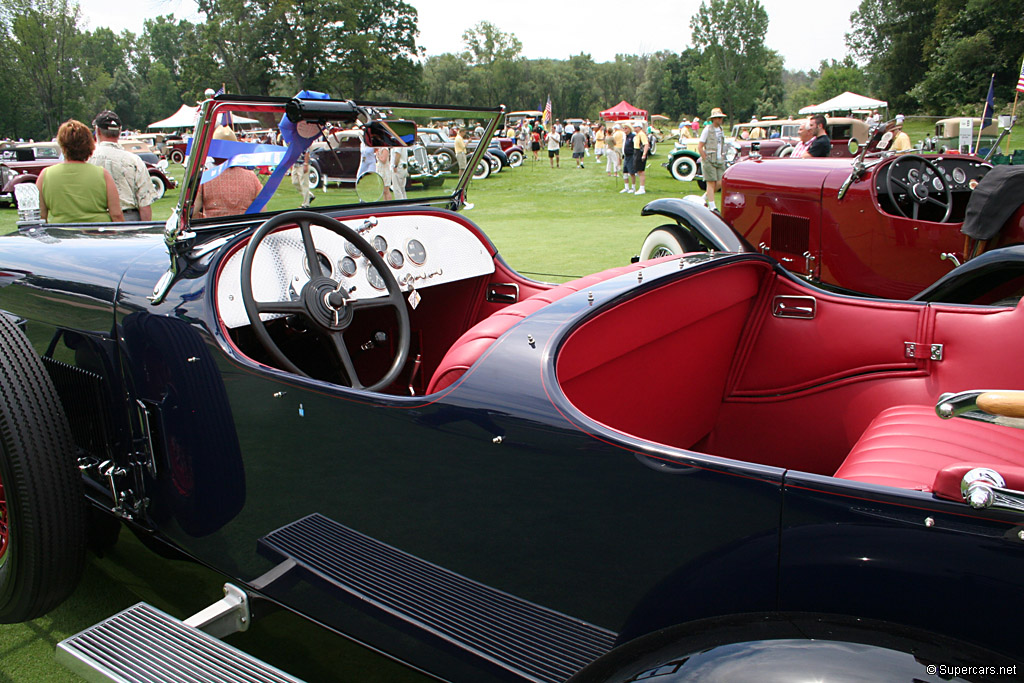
x: 1013, y: 117
x: 1016, y: 93
x: 984, y: 108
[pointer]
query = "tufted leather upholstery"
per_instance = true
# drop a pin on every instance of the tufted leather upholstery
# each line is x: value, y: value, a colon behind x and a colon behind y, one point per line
x: 910, y: 447
x: 471, y: 345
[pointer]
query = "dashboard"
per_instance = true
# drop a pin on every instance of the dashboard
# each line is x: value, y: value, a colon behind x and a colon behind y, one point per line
x: 421, y: 250
x: 960, y: 175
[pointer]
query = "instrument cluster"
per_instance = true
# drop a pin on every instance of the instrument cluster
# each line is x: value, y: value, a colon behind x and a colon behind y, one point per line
x: 421, y: 250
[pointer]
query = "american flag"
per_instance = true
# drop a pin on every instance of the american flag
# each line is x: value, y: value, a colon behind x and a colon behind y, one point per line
x: 1020, y: 79
x: 546, y: 119
x: 220, y: 91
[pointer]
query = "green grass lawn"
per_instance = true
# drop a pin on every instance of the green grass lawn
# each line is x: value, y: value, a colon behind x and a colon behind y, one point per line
x: 552, y: 224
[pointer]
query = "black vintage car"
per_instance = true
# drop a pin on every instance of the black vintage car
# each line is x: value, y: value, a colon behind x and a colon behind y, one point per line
x: 336, y: 159
x: 697, y: 467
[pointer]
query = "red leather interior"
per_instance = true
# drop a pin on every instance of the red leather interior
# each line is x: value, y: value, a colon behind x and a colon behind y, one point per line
x: 471, y: 345
x: 911, y: 447
x: 655, y: 366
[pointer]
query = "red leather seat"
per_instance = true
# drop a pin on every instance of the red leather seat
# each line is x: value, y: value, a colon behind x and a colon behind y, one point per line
x: 909, y: 446
x: 471, y: 345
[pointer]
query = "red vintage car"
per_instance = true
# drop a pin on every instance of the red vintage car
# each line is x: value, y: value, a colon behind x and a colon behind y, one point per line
x: 887, y: 225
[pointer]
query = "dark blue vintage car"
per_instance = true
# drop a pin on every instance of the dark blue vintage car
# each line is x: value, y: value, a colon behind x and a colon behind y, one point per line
x: 691, y: 467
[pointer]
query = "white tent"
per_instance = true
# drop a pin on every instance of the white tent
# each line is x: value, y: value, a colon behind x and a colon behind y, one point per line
x: 186, y: 117
x: 848, y: 101
x: 183, y: 118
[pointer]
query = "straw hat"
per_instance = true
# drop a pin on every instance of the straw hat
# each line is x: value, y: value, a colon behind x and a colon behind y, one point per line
x: 225, y: 133
x: 716, y: 113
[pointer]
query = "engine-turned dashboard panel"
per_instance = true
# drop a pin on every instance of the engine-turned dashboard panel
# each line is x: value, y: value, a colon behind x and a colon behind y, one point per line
x: 421, y: 251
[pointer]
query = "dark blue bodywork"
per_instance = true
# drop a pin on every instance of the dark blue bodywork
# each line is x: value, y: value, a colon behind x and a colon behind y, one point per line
x: 489, y: 531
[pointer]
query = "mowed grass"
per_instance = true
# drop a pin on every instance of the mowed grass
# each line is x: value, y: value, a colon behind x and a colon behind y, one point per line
x: 552, y: 224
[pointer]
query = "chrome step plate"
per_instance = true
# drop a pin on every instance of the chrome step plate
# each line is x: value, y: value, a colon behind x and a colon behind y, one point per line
x: 143, y: 644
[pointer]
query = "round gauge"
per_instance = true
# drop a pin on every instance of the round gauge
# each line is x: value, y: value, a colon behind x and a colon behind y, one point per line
x: 395, y: 259
x: 380, y: 244
x: 959, y: 176
x: 376, y: 281
x: 352, y: 250
x: 937, y: 183
x: 417, y: 252
x: 913, y: 175
x: 347, y: 266
x: 326, y: 267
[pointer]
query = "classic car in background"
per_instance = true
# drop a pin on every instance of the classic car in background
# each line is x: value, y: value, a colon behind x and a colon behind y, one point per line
x: 887, y: 225
x: 363, y: 415
x: 44, y: 154
x: 336, y: 160
x: 513, y: 150
x: 442, y: 148
x: 684, y: 161
x: 947, y: 136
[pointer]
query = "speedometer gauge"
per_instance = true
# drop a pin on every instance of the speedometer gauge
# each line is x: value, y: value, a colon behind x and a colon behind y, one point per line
x: 417, y: 252
x: 376, y: 281
x: 959, y: 176
x: 937, y: 183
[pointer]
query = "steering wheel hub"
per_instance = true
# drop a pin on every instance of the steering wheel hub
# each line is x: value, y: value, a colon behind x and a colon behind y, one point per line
x: 317, y: 297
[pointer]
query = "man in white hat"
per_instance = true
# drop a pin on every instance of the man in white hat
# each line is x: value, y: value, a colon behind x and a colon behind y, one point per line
x: 712, y: 155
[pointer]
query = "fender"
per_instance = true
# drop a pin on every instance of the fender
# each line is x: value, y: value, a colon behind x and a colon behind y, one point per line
x: 984, y: 279
x: 795, y: 647
x: 706, y: 225
x: 18, y: 180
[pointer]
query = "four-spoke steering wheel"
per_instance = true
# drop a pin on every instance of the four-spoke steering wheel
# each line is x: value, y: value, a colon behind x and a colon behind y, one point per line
x: 918, y: 190
x: 326, y: 304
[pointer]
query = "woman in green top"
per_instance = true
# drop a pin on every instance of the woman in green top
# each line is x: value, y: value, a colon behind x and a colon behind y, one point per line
x: 75, y: 191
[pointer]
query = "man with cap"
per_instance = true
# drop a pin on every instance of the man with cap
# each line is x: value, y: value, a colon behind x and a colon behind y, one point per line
x: 712, y: 155
x: 641, y: 149
x: 129, y: 171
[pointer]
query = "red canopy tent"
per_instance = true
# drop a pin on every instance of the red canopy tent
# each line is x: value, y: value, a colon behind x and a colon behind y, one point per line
x: 623, y: 111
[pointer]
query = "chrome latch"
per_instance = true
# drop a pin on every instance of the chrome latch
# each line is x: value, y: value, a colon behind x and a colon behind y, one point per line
x: 926, y: 351
x: 800, y: 307
x: 809, y: 260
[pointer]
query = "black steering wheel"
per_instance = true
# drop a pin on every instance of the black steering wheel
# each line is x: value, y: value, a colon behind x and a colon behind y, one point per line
x: 326, y: 304
x: 920, y: 190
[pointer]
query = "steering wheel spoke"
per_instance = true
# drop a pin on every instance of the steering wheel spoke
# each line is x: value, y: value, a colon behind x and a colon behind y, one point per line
x: 285, y: 307
x: 309, y: 248
x: 341, y: 351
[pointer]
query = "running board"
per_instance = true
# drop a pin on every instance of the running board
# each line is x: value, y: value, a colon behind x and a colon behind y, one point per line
x: 530, y: 641
x: 144, y: 645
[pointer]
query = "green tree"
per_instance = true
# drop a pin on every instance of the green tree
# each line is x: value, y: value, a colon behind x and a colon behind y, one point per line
x: 985, y: 37
x: 666, y: 86
x: 46, y: 46
x: 890, y: 38
x: 732, y: 72
x: 485, y: 44
x: 837, y: 77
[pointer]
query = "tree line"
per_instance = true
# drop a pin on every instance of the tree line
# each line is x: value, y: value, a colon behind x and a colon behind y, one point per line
x: 932, y: 55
